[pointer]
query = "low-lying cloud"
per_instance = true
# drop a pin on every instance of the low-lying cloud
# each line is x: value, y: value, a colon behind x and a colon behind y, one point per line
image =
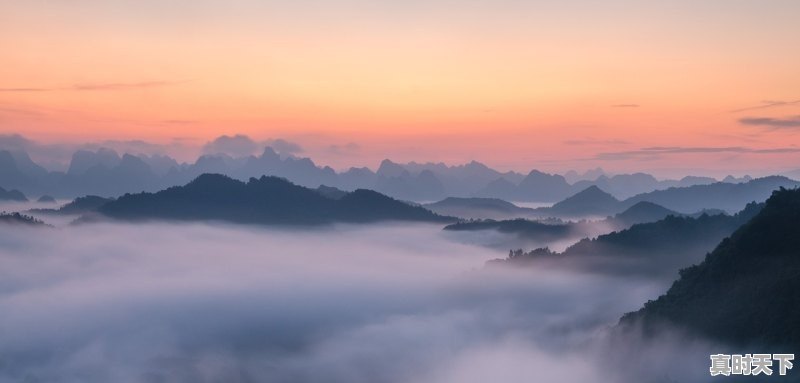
x: 658, y: 151
x: 240, y: 145
x: 203, y: 303
x: 775, y: 123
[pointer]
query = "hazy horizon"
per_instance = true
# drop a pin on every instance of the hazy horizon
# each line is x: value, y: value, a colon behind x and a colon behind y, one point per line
x: 56, y: 156
x: 563, y: 85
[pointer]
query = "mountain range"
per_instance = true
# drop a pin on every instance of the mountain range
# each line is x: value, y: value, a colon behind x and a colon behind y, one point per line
x: 593, y: 202
x: 658, y: 248
x: 264, y: 200
x: 106, y: 173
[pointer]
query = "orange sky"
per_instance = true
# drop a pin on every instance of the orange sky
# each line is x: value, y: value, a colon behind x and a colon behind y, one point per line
x: 515, y: 84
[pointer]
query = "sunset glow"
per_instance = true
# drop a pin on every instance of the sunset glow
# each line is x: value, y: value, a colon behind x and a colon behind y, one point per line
x: 517, y: 85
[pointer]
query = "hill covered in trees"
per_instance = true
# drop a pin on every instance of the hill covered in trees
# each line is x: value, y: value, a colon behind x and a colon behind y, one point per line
x: 265, y: 200
x: 745, y: 292
x: 20, y: 219
x: 660, y: 247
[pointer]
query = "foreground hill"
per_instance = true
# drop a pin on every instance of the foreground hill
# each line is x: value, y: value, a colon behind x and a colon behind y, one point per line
x: 266, y: 200
x: 747, y: 291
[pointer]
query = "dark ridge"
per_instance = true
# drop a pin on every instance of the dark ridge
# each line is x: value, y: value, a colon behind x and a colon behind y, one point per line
x: 522, y: 227
x: 660, y: 247
x: 745, y: 292
x: 20, y: 219
x: 266, y: 200
x: 80, y: 205
x: 46, y: 199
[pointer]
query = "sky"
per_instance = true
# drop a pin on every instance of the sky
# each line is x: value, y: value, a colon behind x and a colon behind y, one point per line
x: 683, y: 86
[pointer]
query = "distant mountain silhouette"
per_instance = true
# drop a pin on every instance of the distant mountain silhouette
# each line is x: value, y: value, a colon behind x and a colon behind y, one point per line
x: 12, y: 195
x: 642, y: 212
x: 106, y: 173
x: 538, y: 186
x: 747, y: 291
x: 660, y: 247
x: 587, y: 202
x: 572, y: 176
x: 266, y: 200
x: 720, y: 195
x: 46, y: 199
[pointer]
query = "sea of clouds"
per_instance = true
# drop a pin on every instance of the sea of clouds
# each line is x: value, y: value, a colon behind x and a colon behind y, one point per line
x: 164, y: 302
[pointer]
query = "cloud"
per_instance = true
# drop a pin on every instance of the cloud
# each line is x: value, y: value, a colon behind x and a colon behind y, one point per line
x: 25, y: 89
x: 356, y: 304
x: 775, y: 123
x: 284, y: 147
x: 124, y: 86
x: 22, y: 111
x: 625, y: 106
x: 592, y: 141
x: 97, y: 86
x: 179, y: 122
x: 766, y: 105
x: 345, y: 149
x: 657, y: 151
x: 236, y: 146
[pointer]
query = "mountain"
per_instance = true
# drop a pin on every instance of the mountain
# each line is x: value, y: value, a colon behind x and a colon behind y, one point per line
x: 12, y: 195
x: 331, y: 192
x: 80, y: 205
x: 500, y: 188
x: 643, y: 212
x: 592, y: 174
x: 543, y: 187
x: 623, y: 185
x: 46, y: 199
x: 719, y: 195
x: 745, y: 292
x: 658, y: 248
x: 478, y: 208
x: 587, y: 202
x: 17, y: 171
x: 266, y: 200
x: 84, y: 160
x: 521, y: 227
x: 19, y: 219
x: 107, y: 173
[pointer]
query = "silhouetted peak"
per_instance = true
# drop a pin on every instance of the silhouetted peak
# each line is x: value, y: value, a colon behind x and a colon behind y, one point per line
x: 591, y: 200
x: 644, y: 210
x: 212, y: 180
x: 390, y: 169
x: 46, y: 199
x: 475, y: 165
x: 593, y: 193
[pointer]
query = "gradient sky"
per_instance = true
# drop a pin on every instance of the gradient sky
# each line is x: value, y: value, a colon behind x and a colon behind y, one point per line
x: 678, y: 86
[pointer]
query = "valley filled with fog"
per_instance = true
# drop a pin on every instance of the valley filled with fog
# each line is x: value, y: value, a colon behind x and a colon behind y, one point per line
x: 347, y: 303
